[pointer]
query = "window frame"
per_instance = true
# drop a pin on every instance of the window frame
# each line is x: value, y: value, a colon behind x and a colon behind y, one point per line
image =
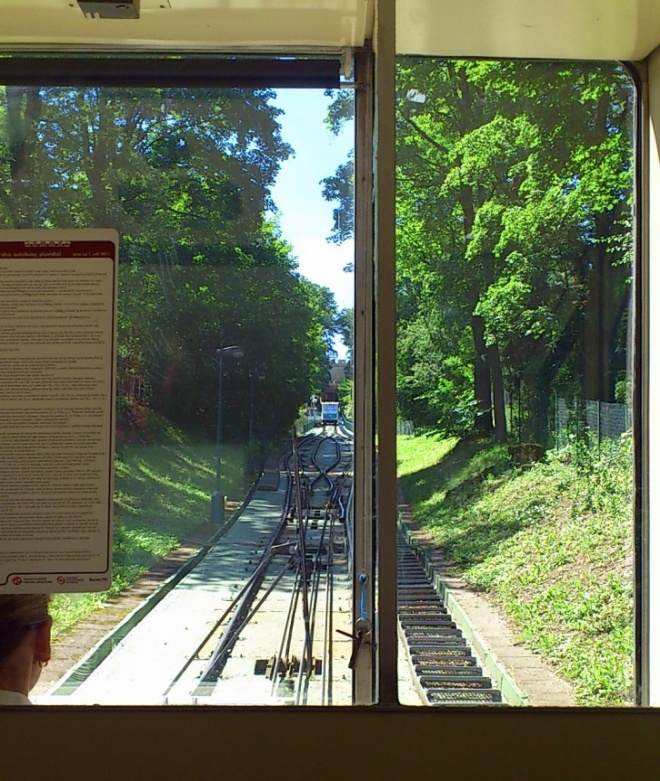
x: 545, y: 743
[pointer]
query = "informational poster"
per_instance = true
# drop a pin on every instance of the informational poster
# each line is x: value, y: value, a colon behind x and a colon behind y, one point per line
x: 58, y: 294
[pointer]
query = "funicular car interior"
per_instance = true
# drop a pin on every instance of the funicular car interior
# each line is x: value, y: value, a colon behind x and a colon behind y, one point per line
x: 384, y: 739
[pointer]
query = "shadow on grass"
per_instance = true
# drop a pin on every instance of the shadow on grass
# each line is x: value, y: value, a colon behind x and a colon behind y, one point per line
x: 444, y: 498
x: 459, y: 475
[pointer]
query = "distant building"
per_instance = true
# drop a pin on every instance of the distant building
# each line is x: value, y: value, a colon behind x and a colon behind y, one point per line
x: 338, y: 372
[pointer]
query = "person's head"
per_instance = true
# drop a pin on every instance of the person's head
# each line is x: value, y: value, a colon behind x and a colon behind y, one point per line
x: 24, y: 640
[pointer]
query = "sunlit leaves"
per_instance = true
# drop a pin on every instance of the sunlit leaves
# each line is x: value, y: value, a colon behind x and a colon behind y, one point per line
x: 514, y: 184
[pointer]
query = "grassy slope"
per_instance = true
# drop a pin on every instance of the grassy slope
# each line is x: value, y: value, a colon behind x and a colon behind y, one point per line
x: 552, y: 544
x: 162, y: 492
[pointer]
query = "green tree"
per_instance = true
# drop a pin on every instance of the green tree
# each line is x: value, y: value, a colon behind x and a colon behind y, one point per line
x: 185, y: 176
x: 514, y: 184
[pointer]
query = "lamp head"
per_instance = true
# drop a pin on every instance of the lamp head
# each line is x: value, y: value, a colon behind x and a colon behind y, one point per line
x: 234, y: 349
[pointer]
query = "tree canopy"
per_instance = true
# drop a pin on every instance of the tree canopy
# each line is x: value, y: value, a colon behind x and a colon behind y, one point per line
x: 514, y: 243
x: 185, y: 176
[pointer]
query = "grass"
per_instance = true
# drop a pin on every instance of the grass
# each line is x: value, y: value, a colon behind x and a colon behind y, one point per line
x: 162, y: 492
x: 552, y: 544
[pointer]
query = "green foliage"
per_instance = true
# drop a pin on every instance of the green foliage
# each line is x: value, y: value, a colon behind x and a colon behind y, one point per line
x: 192, y: 163
x: 514, y: 193
x: 283, y: 323
x: 552, y: 544
x: 622, y: 391
x: 345, y: 324
x: 437, y: 394
x: 346, y: 388
x: 184, y: 175
x: 340, y: 187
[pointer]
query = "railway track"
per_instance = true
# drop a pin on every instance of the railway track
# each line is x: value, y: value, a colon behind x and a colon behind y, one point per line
x: 266, y: 614
x: 304, y: 555
x: 444, y: 668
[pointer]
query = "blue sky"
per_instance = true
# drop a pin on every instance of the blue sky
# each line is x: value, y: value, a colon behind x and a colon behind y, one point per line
x: 305, y: 217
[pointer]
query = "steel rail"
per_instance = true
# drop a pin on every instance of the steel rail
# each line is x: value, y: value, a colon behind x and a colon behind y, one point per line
x: 229, y: 636
x: 305, y: 673
x: 287, y: 633
x: 307, y: 578
x: 303, y: 560
x: 326, y: 669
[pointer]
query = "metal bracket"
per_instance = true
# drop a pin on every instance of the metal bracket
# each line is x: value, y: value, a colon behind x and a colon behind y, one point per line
x: 346, y: 70
x: 110, y: 9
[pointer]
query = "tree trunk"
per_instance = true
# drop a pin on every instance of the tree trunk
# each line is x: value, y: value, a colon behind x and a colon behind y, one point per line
x: 495, y: 364
x: 607, y: 294
x: 594, y: 338
x: 23, y: 115
x: 483, y: 418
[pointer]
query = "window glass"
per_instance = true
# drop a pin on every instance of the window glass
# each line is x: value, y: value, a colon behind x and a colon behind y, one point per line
x: 231, y: 574
x: 515, y: 247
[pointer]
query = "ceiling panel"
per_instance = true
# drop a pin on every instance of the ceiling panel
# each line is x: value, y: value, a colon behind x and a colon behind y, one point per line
x: 556, y: 29
x: 587, y: 29
x: 264, y: 25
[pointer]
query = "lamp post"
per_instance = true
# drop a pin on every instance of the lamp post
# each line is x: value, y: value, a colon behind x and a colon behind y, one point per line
x: 218, y: 500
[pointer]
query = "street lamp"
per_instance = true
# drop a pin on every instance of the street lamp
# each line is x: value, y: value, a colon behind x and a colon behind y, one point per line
x: 218, y: 500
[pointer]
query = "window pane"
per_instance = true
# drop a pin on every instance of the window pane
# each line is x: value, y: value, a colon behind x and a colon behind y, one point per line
x: 515, y: 185
x: 231, y: 564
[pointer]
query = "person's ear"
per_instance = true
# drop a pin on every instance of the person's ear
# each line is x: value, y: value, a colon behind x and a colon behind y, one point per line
x: 42, y: 644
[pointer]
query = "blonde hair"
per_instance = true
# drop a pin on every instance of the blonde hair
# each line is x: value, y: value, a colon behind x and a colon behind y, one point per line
x: 18, y: 614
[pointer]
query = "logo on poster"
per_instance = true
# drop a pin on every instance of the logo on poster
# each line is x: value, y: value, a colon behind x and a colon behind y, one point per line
x: 61, y: 580
x: 17, y: 580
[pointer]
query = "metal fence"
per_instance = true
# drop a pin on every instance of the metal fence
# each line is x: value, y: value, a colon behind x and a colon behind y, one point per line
x: 602, y: 419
